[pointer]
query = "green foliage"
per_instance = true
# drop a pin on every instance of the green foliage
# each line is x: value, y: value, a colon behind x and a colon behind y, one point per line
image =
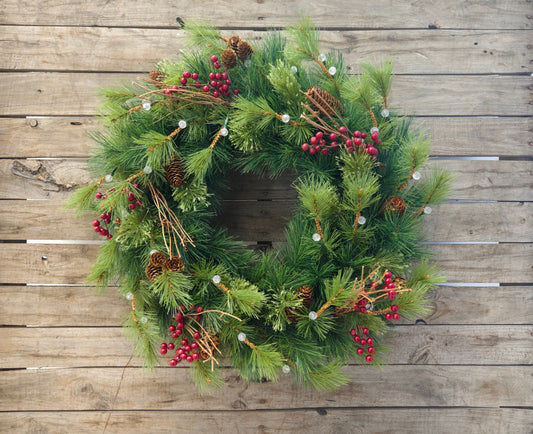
x: 266, y: 295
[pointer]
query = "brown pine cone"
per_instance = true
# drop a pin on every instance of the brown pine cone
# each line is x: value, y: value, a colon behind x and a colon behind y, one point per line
x: 233, y: 42
x: 244, y: 49
x: 175, y: 264
x: 157, y: 78
x: 323, y: 101
x: 175, y: 172
x: 305, y: 293
x: 229, y: 58
x: 158, y: 259
x: 399, y: 282
x: 152, y: 271
x: 291, y: 315
x: 394, y: 205
x: 213, y: 344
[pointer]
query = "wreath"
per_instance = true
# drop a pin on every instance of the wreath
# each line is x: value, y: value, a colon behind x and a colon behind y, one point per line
x: 352, y: 263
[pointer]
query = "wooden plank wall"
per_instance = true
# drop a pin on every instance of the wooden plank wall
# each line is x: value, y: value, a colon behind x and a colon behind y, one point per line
x: 463, y: 67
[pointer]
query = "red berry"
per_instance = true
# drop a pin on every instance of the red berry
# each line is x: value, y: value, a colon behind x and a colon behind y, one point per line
x: 183, y: 80
x: 187, y: 348
x: 167, y: 92
x: 366, y: 331
x: 103, y: 216
x: 198, y: 84
x: 205, y: 88
x: 357, y: 338
x: 312, y: 151
x: 334, y: 145
x: 353, y: 332
x: 332, y: 136
x: 374, y: 136
x: 350, y: 150
x: 236, y: 91
x: 363, y: 135
x: 362, y: 309
x: 391, y: 285
x: 216, y: 65
x: 96, y: 223
x: 363, y: 342
x: 194, y: 76
x: 163, y: 344
x: 186, y: 74
x: 173, y: 362
x: 313, y: 140
x: 214, y: 58
x: 195, y: 356
x: 179, y: 316
x: 213, y: 83
x: 343, y: 130
x: 370, y: 350
x: 218, y: 76
x: 170, y: 345
x: 370, y: 341
x: 175, y: 335
x: 131, y: 197
x: 355, y: 306
x: 391, y: 295
x: 388, y: 280
x: 179, y: 332
x: 377, y: 142
x: 194, y: 345
x: 180, y: 324
x: 117, y: 220
x: 388, y: 316
x: 369, y: 358
x: 192, y: 307
x: 98, y: 195
x: 224, y: 87
x: 138, y: 203
x: 189, y: 359
x: 172, y: 328
x: 357, y: 134
x: 181, y: 307
x: 360, y: 351
x: 305, y: 147
x: 199, y: 309
x: 163, y: 350
x: 348, y: 142
x: 184, y: 342
x: 225, y: 75
x: 108, y: 237
x: 135, y: 185
x: 325, y: 151
x: 216, y: 94
x: 174, y: 88
x: 394, y: 308
x: 372, y: 151
x: 387, y: 274
x: 395, y: 316
x: 103, y: 231
x: 358, y: 141
x: 319, y: 135
x: 196, y: 335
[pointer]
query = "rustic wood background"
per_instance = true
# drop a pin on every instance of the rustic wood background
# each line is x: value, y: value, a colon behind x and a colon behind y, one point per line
x: 463, y: 67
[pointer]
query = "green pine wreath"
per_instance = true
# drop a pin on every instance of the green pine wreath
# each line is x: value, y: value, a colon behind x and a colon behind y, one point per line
x: 346, y: 272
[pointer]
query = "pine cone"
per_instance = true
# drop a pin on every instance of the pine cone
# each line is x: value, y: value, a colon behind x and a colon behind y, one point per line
x: 323, y: 101
x: 152, y: 271
x: 233, y: 42
x: 229, y: 58
x: 305, y: 293
x: 399, y: 282
x: 157, y: 78
x: 394, y: 205
x: 175, y: 264
x: 213, y: 344
x: 244, y: 49
x: 175, y: 172
x: 291, y: 315
x: 158, y: 259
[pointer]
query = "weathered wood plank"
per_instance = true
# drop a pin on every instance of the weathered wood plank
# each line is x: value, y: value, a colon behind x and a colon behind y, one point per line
x: 331, y: 421
x: 473, y: 180
x: 24, y: 347
x: 138, y: 49
x: 480, y: 14
x: 60, y: 137
x: 69, y: 306
x: 394, y: 386
x: 61, y: 94
x: 67, y: 264
x: 265, y: 221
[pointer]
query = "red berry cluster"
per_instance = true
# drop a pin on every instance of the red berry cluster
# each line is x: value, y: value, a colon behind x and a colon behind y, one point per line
x: 134, y: 201
x: 218, y: 84
x: 318, y: 143
x: 106, y: 220
x: 187, y: 349
x: 364, y: 341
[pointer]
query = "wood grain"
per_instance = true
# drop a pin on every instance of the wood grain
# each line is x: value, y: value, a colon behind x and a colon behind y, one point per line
x: 70, y: 306
x: 25, y: 347
x: 138, y: 49
x: 67, y: 264
x: 475, y: 14
x: 266, y: 220
x: 65, y: 93
x: 473, y: 180
x: 62, y: 137
x: 320, y: 421
x: 164, y: 389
